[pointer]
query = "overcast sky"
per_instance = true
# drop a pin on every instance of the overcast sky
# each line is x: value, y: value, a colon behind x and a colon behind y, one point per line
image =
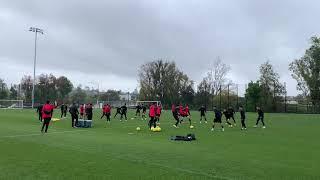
x: 105, y: 42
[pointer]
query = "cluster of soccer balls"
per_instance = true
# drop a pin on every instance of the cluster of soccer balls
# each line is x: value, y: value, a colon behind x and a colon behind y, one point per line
x: 158, y: 129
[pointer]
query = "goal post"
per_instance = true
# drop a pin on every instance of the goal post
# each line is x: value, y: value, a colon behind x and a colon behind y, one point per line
x: 148, y: 102
x: 11, y: 104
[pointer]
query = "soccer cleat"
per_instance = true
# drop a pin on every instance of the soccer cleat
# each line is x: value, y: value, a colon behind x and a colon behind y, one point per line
x: 263, y: 127
x: 200, y: 122
x: 206, y: 122
x: 212, y: 129
x: 222, y: 129
x: 174, y: 126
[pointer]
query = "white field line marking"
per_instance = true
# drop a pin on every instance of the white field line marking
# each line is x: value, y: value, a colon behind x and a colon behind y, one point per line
x: 38, y: 134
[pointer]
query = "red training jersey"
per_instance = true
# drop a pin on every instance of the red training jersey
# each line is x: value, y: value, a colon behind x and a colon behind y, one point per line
x: 81, y: 109
x: 152, y: 112
x: 173, y: 108
x: 47, y: 110
x: 108, y: 109
x: 187, y: 111
x: 158, y: 110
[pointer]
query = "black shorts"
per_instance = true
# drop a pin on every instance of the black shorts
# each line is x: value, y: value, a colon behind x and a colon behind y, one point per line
x: 81, y: 114
x: 176, y: 117
x: 158, y: 115
x: 217, y: 120
x: 202, y: 114
x: 47, y: 120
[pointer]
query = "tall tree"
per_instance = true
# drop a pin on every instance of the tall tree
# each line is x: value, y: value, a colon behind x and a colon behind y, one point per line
x: 78, y: 95
x: 272, y: 89
x: 26, y: 87
x: 217, y: 76
x: 64, y: 87
x: 162, y: 80
x: 253, y: 95
x: 13, y: 92
x: 46, y: 88
x: 110, y: 95
x: 202, y: 96
x: 3, y: 90
x: 306, y: 71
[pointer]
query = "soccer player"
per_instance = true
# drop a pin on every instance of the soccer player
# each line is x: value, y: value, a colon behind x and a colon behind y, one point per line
x: 144, y: 112
x: 152, y: 114
x: 158, y: 113
x: 173, y: 108
x: 62, y: 109
x: 47, y: 111
x: 73, y: 110
x: 181, y: 113
x: 176, y: 116
x: 89, y: 112
x: 118, y: 112
x: 217, y: 119
x: 243, y: 118
x: 260, y: 117
x: 187, y: 113
x: 103, y: 110
x: 231, y: 115
x: 227, y: 115
x: 124, y: 112
x: 138, y: 107
x: 39, y: 111
x: 108, y: 112
x: 81, y: 111
x: 203, y: 113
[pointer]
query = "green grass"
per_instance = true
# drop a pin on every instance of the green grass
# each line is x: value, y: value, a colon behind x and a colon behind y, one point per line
x: 287, y: 149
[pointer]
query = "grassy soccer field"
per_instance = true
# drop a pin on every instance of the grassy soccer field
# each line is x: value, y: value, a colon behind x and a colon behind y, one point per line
x: 287, y: 149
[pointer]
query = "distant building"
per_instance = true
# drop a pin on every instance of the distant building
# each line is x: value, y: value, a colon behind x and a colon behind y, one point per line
x: 125, y: 96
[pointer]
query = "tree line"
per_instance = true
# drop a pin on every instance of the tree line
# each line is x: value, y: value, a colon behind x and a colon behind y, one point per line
x: 162, y: 80
x: 50, y: 87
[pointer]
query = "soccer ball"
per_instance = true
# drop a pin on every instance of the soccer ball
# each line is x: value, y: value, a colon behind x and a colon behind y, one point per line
x: 191, y: 127
x: 138, y: 128
x: 158, y: 129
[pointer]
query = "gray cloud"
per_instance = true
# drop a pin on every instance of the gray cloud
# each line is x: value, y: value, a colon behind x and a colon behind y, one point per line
x: 108, y: 40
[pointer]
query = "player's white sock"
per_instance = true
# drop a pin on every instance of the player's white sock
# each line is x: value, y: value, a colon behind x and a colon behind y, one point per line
x: 222, y: 129
x: 206, y: 122
x: 200, y: 122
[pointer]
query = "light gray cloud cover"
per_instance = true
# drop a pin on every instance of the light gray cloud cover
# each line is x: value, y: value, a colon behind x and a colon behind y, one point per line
x: 107, y: 41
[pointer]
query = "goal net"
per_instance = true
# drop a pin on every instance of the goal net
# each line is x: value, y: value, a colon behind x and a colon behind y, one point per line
x: 148, y: 102
x: 11, y: 104
x: 129, y: 104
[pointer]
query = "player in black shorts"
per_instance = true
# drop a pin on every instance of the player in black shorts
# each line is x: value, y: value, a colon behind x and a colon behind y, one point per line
x: 124, y: 112
x: 203, y: 114
x: 176, y: 116
x: 260, y: 118
x: 217, y: 119
x: 243, y: 118
x: 118, y: 112
x: 231, y: 114
x: 227, y: 116
x: 144, y: 112
x: 138, y: 108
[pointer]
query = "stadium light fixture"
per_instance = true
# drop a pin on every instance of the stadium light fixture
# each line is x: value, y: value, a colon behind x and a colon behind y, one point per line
x: 35, y: 31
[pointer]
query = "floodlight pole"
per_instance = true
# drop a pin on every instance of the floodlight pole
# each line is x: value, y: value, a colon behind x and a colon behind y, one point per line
x: 36, y: 31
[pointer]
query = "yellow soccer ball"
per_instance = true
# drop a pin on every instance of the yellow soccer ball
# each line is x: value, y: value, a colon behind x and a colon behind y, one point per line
x: 138, y: 128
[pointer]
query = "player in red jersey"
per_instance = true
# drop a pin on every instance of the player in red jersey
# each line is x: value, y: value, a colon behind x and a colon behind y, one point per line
x: 47, y: 111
